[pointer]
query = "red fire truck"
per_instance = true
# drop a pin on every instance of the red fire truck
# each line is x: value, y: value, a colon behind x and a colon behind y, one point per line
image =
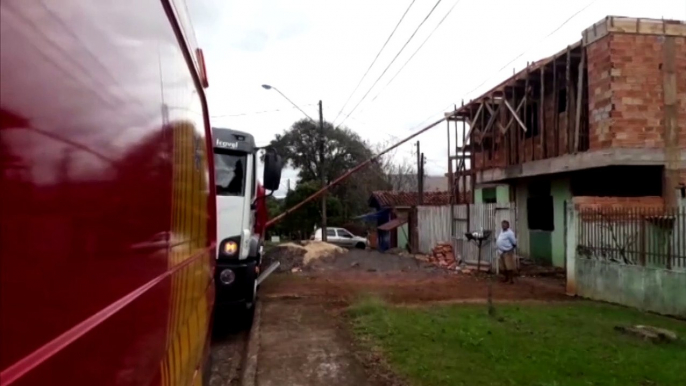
x: 108, y: 226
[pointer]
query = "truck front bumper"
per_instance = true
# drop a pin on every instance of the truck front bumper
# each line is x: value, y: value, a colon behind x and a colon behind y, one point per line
x: 239, y: 291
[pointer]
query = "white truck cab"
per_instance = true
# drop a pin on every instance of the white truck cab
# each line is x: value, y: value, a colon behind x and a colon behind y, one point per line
x: 238, y: 198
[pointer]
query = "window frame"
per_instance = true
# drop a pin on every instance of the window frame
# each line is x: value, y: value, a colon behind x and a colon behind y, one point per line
x: 241, y: 156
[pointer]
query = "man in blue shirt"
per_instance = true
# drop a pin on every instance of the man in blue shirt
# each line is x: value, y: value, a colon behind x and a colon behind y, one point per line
x: 506, y: 243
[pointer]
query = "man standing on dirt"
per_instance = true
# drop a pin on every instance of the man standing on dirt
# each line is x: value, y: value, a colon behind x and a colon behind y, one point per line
x: 506, y: 244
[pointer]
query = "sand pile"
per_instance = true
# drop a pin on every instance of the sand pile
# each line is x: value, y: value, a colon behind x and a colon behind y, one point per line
x: 294, y: 256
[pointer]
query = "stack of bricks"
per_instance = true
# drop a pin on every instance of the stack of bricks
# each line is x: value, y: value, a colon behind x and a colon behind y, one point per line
x: 443, y: 256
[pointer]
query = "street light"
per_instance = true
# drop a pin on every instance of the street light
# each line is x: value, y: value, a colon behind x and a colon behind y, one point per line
x: 321, y: 152
x: 268, y: 87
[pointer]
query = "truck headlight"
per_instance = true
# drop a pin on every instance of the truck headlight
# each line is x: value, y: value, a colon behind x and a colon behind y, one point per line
x: 227, y: 276
x: 230, y: 248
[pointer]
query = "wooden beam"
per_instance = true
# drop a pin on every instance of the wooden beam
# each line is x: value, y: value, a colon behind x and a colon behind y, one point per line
x: 481, y: 143
x: 464, y: 159
x: 542, y: 133
x: 458, y: 157
x: 526, y: 116
x: 476, y: 116
x: 527, y: 91
x: 514, y: 134
x: 556, y: 115
x: 512, y: 119
x: 451, y: 190
x: 568, y: 113
x: 492, y: 119
x: 579, y: 91
x: 515, y: 113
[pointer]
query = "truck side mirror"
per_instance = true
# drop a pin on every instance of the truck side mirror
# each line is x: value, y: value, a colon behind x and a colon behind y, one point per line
x: 272, y: 170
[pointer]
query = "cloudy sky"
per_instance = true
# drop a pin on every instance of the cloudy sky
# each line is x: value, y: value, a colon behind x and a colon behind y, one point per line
x: 314, y: 49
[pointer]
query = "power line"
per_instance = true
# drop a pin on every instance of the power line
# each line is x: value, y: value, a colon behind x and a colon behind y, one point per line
x: 511, y: 61
x: 392, y: 61
x: 533, y: 45
x: 256, y: 112
x: 419, y: 48
x: 374, y: 61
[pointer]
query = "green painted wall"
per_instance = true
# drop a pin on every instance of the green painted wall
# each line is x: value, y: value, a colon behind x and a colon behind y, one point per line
x: 657, y: 290
x: 502, y: 194
x: 402, y: 236
x: 522, y: 230
x: 561, y: 192
x: 540, y: 247
x: 478, y: 196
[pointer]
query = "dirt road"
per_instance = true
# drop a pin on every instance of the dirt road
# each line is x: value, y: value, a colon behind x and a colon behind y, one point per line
x: 303, y: 341
x: 229, y: 341
x: 301, y: 344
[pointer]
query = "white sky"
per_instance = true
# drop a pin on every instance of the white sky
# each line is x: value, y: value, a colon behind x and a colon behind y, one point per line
x: 314, y: 49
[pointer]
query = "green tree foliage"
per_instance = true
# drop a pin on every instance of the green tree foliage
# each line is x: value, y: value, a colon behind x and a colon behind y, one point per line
x: 343, y: 150
x: 302, y: 222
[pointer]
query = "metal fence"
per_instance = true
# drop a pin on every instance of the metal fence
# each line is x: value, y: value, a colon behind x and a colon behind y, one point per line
x: 652, y: 237
x: 480, y: 217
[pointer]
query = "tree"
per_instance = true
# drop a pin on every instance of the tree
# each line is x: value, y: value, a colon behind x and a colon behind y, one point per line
x: 343, y: 150
x: 302, y: 222
x: 299, y: 145
x: 400, y: 175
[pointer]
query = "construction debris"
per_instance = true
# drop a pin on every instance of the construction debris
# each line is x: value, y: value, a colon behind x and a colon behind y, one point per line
x: 649, y: 333
x: 443, y: 256
x: 295, y: 257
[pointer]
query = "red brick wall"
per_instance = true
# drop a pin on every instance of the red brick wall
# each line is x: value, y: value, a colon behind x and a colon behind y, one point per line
x: 599, y: 93
x: 626, y: 94
x: 530, y: 145
x: 588, y: 202
x: 625, y: 100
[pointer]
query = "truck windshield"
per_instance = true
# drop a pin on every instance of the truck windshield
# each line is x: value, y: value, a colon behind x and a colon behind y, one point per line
x: 229, y: 172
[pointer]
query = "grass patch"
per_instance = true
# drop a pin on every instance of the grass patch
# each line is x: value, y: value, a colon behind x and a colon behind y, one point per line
x: 528, y: 344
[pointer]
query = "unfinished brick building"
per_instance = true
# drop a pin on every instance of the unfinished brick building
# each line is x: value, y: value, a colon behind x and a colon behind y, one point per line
x: 605, y: 117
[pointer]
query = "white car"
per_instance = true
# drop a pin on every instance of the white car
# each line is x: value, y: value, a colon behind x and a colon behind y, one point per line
x: 341, y: 237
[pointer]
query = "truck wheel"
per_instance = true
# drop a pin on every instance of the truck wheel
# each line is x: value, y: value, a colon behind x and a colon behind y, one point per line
x: 360, y: 246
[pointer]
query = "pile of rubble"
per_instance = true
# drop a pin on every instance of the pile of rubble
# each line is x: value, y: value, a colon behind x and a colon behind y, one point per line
x: 443, y: 256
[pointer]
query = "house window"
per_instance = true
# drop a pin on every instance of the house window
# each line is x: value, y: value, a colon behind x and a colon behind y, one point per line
x: 488, y: 195
x: 562, y: 101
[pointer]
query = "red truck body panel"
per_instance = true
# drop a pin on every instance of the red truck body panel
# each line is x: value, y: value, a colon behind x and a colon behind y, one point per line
x: 261, y: 213
x: 107, y: 215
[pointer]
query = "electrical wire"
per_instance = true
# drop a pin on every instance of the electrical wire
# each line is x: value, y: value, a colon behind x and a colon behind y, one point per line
x: 511, y: 61
x: 392, y: 61
x: 533, y: 45
x: 418, y: 48
x: 257, y: 112
x: 375, y: 59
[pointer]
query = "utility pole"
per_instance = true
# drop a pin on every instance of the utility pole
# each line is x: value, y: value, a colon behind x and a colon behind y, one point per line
x: 421, y: 179
x: 419, y: 168
x: 420, y: 175
x: 322, y: 169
